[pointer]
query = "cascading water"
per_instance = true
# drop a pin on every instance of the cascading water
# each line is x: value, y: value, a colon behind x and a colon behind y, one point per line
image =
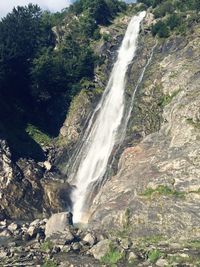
x: 102, y: 131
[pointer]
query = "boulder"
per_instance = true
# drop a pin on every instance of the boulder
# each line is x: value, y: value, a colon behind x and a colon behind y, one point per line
x: 58, y: 223
x: 32, y: 231
x: 90, y: 239
x: 100, y: 249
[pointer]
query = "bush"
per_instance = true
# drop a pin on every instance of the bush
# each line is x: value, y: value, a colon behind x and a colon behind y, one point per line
x: 160, y: 29
x: 173, y: 21
x: 106, y: 37
x: 163, y: 9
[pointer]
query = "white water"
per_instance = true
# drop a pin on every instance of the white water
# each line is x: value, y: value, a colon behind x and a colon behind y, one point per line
x: 101, y: 134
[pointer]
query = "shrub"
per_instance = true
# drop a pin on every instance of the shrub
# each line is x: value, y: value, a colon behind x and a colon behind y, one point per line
x: 163, y: 9
x: 173, y: 21
x: 160, y: 29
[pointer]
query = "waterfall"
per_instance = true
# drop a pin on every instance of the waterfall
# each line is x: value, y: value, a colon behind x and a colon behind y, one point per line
x: 102, y: 132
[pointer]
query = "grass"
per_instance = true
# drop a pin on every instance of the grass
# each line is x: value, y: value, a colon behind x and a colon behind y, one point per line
x: 154, y: 255
x: 144, y: 243
x: 112, y: 257
x: 38, y: 136
x: 166, y: 99
x: 50, y: 263
x: 194, y: 244
x: 47, y: 245
x: 162, y: 190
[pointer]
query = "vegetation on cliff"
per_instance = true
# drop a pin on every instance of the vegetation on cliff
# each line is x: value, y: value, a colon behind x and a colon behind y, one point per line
x: 172, y: 16
x: 41, y: 75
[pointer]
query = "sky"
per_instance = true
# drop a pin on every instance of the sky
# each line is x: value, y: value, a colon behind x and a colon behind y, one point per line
x: 52, y: 5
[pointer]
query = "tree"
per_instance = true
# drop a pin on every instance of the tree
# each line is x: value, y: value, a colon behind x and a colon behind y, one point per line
x: 22, y: 35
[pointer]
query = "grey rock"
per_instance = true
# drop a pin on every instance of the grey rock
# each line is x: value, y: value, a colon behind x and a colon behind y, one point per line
x: 57, y: 223
x: 162, y: 263
x: 90, y: 239
x: 32, y: 231
x: 166, y: 152
x: 100, y: 249
x: 65, y: 237
x: 132, y: 256
x: 76, y: 247
x: 13, y: 227
x: 36, y: 222
x: 3, y: 254
x: 6, y: 233
x: 125, y: 243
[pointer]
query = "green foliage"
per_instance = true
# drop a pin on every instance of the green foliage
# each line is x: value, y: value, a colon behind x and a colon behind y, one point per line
x: 102, y: 11
x: 168, y: 6
x: 22, y: 33
x: 46, y: 245
x: 194, y: 244
x: 154, y: 255
x: 166, y: 99
x: 112, y: 257
x: 160, y: 29
x: 37, y: 79
x: 50, y: 263
x: 106, y: 37
x: 37, y: 135
x: 173, y: 21
x: 162, y: 190
x: 164, y: 8
x: 148, y: 3
x: 172, y: 15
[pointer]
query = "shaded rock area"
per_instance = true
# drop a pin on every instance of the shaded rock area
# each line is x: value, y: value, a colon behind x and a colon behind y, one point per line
x: 28, y: 190
x: 156, y: 188
x: 29, y: 244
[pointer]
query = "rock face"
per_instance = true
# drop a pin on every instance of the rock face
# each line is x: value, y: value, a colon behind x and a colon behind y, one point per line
x: 25, y: 193
x: 8, y: 171
x: 101, y: 249
x: 156, y: 188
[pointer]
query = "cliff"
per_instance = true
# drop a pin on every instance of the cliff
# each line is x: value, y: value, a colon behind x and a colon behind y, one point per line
x: 158, y: 178
x: 149, y: 207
